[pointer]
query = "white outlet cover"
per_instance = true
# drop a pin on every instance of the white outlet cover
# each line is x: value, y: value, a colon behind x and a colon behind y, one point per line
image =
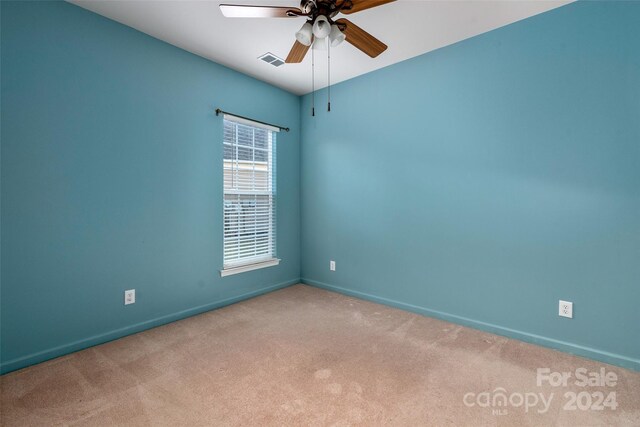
x: 565, y: 309
x: 332, y: 265
x: 129, y: 296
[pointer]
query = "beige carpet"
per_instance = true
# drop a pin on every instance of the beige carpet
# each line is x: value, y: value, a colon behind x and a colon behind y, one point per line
x: 304, y: 356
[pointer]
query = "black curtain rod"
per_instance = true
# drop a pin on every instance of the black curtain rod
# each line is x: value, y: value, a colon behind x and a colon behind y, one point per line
x: 218, y: 111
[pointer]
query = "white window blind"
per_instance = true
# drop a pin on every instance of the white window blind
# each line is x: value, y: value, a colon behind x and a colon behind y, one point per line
x: 249, y: 195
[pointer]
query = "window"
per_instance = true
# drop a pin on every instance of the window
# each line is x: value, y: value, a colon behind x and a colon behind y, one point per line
x: 249, y: 195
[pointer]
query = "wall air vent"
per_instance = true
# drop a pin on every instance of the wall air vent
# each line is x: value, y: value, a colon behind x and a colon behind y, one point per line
x: 272, y: 59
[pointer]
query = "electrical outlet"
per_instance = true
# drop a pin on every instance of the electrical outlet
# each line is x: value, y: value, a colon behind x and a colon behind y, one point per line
x: 129, y: 297
x: 565, y: 309
x: 332, y: 265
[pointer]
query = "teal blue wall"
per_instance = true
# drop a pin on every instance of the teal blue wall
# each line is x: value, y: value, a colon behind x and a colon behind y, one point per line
x: 479, y: 183
x: 112, y: 179
x: 483, y: 182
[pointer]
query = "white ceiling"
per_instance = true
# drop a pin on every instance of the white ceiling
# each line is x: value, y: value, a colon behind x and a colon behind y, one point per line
x: 409, y: 27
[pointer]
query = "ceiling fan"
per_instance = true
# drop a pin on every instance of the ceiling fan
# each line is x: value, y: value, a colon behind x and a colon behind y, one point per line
x: 320, y: 23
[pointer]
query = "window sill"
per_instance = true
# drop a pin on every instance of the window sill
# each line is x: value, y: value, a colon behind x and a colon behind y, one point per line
x: 248, y: 267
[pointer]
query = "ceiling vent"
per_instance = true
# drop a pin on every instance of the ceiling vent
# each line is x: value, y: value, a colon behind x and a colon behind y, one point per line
x: 270, y: 58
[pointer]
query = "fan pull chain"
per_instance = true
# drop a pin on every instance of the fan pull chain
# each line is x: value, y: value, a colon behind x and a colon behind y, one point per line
x: 329, y: 75
x: 313, y: 83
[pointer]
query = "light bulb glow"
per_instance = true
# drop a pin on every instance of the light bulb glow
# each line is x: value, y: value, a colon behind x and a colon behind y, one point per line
x: 336, y: 36
x: 304, y: 34
x: 321, y: 27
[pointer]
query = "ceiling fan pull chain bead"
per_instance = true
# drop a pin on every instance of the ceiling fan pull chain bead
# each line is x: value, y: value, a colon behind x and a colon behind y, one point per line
x: 313, y: 86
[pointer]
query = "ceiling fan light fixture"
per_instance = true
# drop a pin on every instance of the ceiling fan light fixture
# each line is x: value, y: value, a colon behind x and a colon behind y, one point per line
x: 305, y: 34
x: 320, y: 44
x: 336, y: 36
x: 321, y: 27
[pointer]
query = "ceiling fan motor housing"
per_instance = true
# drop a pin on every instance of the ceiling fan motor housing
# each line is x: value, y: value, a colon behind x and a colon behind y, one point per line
x: 328, y: 8
x: 307, y: 5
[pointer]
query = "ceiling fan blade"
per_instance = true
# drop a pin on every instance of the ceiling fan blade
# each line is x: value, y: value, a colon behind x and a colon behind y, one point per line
x: 359, y: 5
x: 297, y: 53
x: 246, y: 11
x: 361, y: 39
